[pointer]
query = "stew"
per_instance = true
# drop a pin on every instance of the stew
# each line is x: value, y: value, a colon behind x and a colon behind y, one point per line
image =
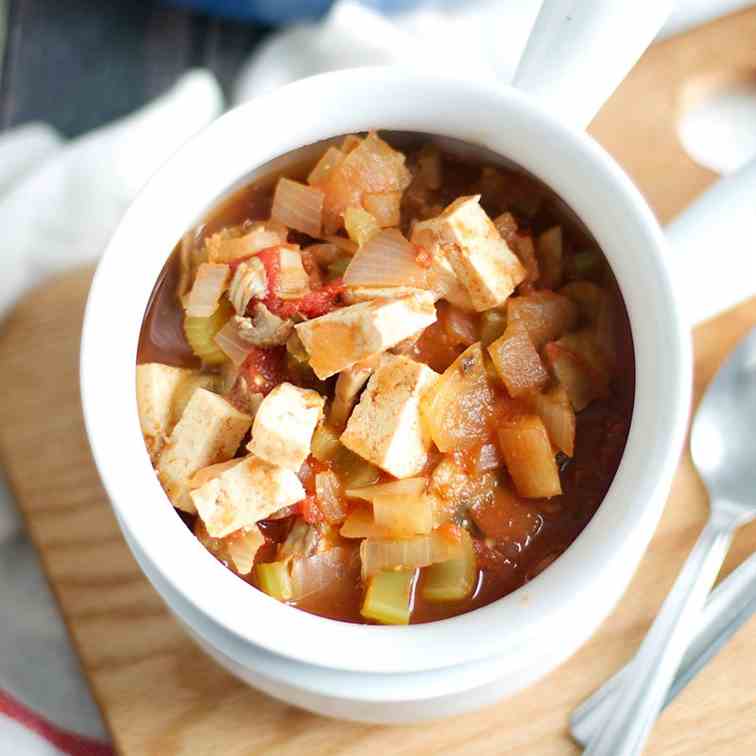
x: 392, y: 385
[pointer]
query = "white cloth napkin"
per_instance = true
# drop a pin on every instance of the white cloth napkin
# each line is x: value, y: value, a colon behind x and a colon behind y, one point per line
x: 59, y: 202
x: 483, y: 38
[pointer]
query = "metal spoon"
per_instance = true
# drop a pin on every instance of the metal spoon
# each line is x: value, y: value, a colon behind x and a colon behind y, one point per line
x: 731, y: 604
x: 722, y: 444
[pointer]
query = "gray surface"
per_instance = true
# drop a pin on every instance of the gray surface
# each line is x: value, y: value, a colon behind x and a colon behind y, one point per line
x: 77, y: 64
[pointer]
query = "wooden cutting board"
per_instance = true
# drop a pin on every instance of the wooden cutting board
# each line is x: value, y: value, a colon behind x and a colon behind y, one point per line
x: 161, y: 695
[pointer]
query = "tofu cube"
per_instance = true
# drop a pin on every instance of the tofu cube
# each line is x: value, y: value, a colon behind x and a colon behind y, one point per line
x: 284, y: 424
x: 480, y: 258
x: 209, y: 431
x: 385, y: 427
x: 339, y: 339
x: 245, y: 494
x: 157, y: 387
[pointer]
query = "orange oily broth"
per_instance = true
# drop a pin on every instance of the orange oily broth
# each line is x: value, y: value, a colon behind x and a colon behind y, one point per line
x: 547, y: 527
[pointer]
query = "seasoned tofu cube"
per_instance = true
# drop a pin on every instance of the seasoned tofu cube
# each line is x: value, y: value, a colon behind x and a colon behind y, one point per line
x: 245, y: 494
x: 209, y: 431
x: 342, y: 337
x: 157, y: 387
x: 480, y: 258
x: 446, y: 285
x: 385, y: 427
x: 284, y: 424
x: 443, y: 280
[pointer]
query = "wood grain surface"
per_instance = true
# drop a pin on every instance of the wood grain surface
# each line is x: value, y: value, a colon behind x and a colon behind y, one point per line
x: 162, y: 696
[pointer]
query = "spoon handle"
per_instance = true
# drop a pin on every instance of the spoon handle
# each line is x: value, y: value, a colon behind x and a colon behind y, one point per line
x: 658, y: 658
x: 729, y: 606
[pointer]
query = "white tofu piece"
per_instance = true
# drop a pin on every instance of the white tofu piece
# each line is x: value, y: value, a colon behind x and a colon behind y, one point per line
x: 284, y: 424
x: 156, y: 388
x: 209, y: 431
x: 479, y: 257
x: 385, y: 427
x: 245, y: 494
x: 339, y: 339
x: 446, y: 285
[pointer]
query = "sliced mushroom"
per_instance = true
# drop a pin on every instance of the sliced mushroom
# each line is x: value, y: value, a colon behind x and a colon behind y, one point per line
x: 263, y: 328
x: 249, y: 282
x: 349, y: 384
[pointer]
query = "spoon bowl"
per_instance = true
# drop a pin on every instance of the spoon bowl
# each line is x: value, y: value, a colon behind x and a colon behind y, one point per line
x: 723, y: 438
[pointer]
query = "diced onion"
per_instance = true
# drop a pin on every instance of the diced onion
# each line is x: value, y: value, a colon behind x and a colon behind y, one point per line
x: 405, y: 487
x: 405, y: 553
x: 361, y: 524
x: 209, y: 285
x: 223, y: 248
x: 384, y: 207
x: 293, y: 281
x: 331, y: 158
x: 351, y: 142
x: 558, y: 416
x: 360, y: 225
x: 404, y: 516
x: 242, y: 547
x: 387, y: 259
x: 298, y: 206
x: 320, y: 573
x: 488, y: 458
x: 456, y: 409
x: 232, y: 344
x: 275, y: 580
x: 329, y: 494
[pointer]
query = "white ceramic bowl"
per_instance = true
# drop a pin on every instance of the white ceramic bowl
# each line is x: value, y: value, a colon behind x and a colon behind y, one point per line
x: 368, y: 672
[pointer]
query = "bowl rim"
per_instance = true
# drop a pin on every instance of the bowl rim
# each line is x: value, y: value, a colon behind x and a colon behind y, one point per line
x: 603, y: 556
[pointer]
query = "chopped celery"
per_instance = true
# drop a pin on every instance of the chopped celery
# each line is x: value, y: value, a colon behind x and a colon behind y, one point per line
x: 355, y: 472
x: 452, y: 580
x: 388, y: 599
x: 295, y: 348
x: 585, y: 264
x: 549, y: 248
x: 275, y: 580
x: 587, y: 296
x: 338, y: 267
x: 360, y: 225
x: 325, y: 444
x: 492, y: 325
x: 200, y: 333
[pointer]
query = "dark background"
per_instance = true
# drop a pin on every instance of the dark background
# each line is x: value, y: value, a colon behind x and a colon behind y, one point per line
x: 77, y: 64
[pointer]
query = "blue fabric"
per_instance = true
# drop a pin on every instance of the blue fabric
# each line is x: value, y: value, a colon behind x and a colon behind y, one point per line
x: 280, y: 11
